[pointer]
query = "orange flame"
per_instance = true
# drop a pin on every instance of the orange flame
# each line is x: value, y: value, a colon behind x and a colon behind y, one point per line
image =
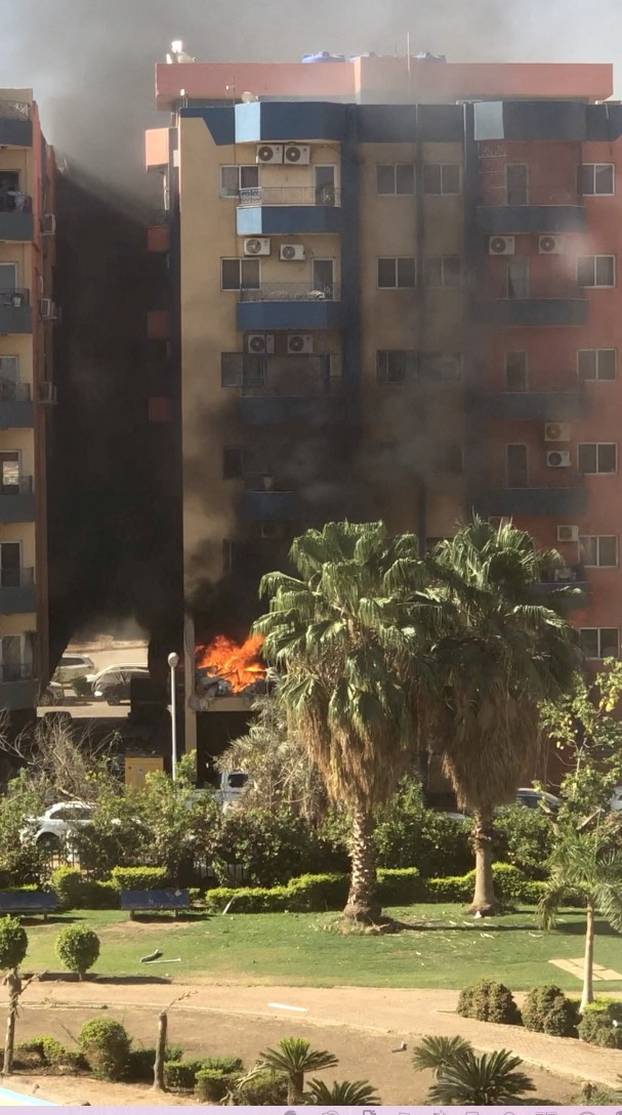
x: 238, y: 663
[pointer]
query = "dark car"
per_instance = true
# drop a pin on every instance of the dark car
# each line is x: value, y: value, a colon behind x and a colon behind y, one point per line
x: 113, y: 684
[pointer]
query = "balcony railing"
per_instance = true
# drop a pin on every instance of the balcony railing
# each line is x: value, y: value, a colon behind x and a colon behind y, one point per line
x: 292, y: 292
x: 14, y: 201
x: 14, y: 299
x: 18, y: 671
x: 13, y: 392
x: 15, y: 110
x: 22, y: 486
x: 17, y: 578
x: 327, y: 196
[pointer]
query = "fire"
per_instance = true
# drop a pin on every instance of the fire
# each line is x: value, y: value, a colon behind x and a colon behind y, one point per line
x: 238, y: 663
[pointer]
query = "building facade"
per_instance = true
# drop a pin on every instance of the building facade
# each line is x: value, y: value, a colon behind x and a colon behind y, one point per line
x: 394, y: 293
x: 27, y: 316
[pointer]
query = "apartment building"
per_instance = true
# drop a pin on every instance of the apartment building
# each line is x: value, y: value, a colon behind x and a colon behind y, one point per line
x: 27, y: 315
x: 393, y: 292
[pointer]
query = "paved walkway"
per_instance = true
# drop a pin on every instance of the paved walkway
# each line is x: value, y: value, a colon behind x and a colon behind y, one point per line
x: 407, y: 1013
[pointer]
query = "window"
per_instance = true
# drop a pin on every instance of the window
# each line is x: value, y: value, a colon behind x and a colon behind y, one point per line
x: 599, y: 549
x: 596, y: 178
x: 596, y: 271
x: 443, y: 272
x: 597, y: 363
x: 8, y: 278
x: 398, y: 178
x: 241, y: 369
x: 516, y: 371
x: 441, y: 178
x: 239, y: 274
x: 396, y: 272
x: 599, y: 642
x: 232, y: 462
x: 323, y: 276
x: 516, y: 184
x: 395, y: 365
x: 236, y: 178
x: 517, y: 278
x: 598, y: 457
x: 516, y: 466
x: 325, y: 184
x: 441, y: 367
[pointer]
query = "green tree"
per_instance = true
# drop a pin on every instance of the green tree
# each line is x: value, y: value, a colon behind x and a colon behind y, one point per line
x: 343, y: 1093
x: 586, y: 862
x: 342, y: 634
x: 502, y: 654
x: 13, y: 948
x: 294, y: 1057
x: 488, y: 1081
x: 78, y: 948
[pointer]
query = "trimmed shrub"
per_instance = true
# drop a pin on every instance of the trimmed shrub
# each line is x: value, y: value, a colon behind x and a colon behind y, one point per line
x: 399, y: 886
x: 318, y: 892
x: 13, y: 943
x: 524, y: 837
x: 548, y: 1011
x: 223, y: 1064
x: 77, y: 947
x: 456, y: 888
x: 489, y: 1001
x: 410, y: 835
x: 139, y: 878
x: 271, y: 846
x: 106, y: 1047
x: 139, y: 1066
x: 212, y: 1085
x: 249, y: 900
x: 180, y: 1076
x: 266, y: 1089
x: 597, y: 1025
x: 99, y: 896
x: 67, y: 882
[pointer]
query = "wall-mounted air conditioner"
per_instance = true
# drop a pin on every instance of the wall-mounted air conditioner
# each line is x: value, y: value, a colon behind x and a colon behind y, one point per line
x: 269, y: 153
x: 502, y: 245
x: 568, y: 533
x: 293, y: 253
x: 557, y: 431
x: 257, y: 246
x: 260, y: 343
x: 299, y: 342
x: 297, y: 153
x: 47, y: 393
x: 48, y: 224
x: 47, y: 309
x: 551, y: 245
x: 558, y: 458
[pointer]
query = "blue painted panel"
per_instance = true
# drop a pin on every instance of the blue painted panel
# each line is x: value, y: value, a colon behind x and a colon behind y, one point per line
x: 270, y: 506
x: 270, y: 410
x: 278, y: 121
x: 387, y: 123
x: 503, y: 219
x: 247, y: 122
x: 16, y: 226
x: 556, y: 120
x: 535, y: 501
x: 18, y: 694
x: 552, y: 406
x: 15, y: 415
x: 441, y: 123
x: 15, y: 133
x: 18, y: 601
x: 257, y: 316
x: 267, y: 220
x: 535, y: 311
x: 604, y: 122
x: 219, y: 119
x: 15, y: 319
x: 17, y: 509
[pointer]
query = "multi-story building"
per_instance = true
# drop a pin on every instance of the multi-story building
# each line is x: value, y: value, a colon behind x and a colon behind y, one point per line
x: 394, y: 293
x: 27, y: 314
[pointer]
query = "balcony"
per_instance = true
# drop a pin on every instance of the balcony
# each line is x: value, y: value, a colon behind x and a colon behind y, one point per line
x: 16, y: 409
x: 501, y: 220
x: 18, y: 686
x: 279, y: 210
x: 560, y: 502
x: 17, y: 501
x: 17, y: 592
x: 290, y: 306
x: 16, y: 219
x: 15, y: 124
x: 260, y: 503
x: 15, y: 311
x: 569, y: 588
x: 283, y: 389
x: 539, y: 406
x: 558, y: 303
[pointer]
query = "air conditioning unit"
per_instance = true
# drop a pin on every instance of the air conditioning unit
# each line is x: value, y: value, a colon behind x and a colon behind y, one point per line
x: 558, y: 458
x: 270, y: 153
x: 557, y: 431
x: 47, y: 393
x: 299, y: 342
x: 551, y: 245
x: 502, y: 245
x: 260, y: 343
x: 568, y: 533
x: 293, y: 253
x: 47, y: 309
x: 48, y: 224
x: 257, y: 246
x: 297, y: 153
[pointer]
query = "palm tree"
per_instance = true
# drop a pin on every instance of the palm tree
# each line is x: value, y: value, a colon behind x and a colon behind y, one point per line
x: 489, y: 1080
x: 586, y: 861
x: 504, y: 651
x: 294, y: 1057
x: 344, y: 635
x: 343, y: 1093
x: 438, y: 1053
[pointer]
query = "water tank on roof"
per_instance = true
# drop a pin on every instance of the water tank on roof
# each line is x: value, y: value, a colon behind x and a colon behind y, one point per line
x: 425, y: 56
x: 323, y: 56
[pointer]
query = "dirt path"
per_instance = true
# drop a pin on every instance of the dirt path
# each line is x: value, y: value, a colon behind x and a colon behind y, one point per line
x: 362, y: 1026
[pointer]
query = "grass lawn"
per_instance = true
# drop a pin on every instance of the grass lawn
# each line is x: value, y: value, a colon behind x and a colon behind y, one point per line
x: 444, y: 948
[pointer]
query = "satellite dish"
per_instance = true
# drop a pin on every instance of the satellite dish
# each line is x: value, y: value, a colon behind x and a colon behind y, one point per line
x: 249, y: 98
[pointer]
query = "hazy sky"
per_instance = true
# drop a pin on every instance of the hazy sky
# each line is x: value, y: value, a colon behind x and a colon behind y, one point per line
x: 91, y: 61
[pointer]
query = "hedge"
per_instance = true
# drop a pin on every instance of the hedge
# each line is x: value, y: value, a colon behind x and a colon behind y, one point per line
x: 181, y: 1075
x: 76, y: 892
x: 601, y: 1024
x: 397, y: 886
x: 139, y: 878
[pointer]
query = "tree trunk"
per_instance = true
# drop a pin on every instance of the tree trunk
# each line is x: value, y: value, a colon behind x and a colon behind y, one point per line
x: 484, y: 901
x: 363, y: 904
x: 588, y: 961
x: 158, y: 1067
x: 295, y: 1087
x: 14, y: 985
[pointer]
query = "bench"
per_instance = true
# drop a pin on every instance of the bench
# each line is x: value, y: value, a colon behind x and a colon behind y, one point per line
x: 168, y: 898
x: 28, y: 902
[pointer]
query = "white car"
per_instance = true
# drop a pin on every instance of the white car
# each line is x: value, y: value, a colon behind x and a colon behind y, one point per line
x: 616, y: 800
x: 56, y: 824
x: 72, y: 666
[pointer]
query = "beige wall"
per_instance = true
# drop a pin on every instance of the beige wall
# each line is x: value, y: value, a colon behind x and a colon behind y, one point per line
x: 18, y: 624
x: 23, y: 441
x: 24, y: 533
x: 20, y: 345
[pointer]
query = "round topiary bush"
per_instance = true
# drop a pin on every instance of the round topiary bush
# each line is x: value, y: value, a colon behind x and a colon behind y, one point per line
x: 548, y: 1011
x: 13, y: 943
x: 77, y: 948
x: 489, y: 1001
x: 212, y: 1085
x: 106, y: 1047
x: 265, y: 1089
x: 602, y: 1024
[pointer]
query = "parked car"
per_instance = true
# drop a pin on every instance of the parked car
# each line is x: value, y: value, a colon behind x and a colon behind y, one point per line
x: 56, y: 824
x: 53, y: 694
x: 231, y: 788
x: 72, y: 666
x: 533, y: 799
x: 113, y: 683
